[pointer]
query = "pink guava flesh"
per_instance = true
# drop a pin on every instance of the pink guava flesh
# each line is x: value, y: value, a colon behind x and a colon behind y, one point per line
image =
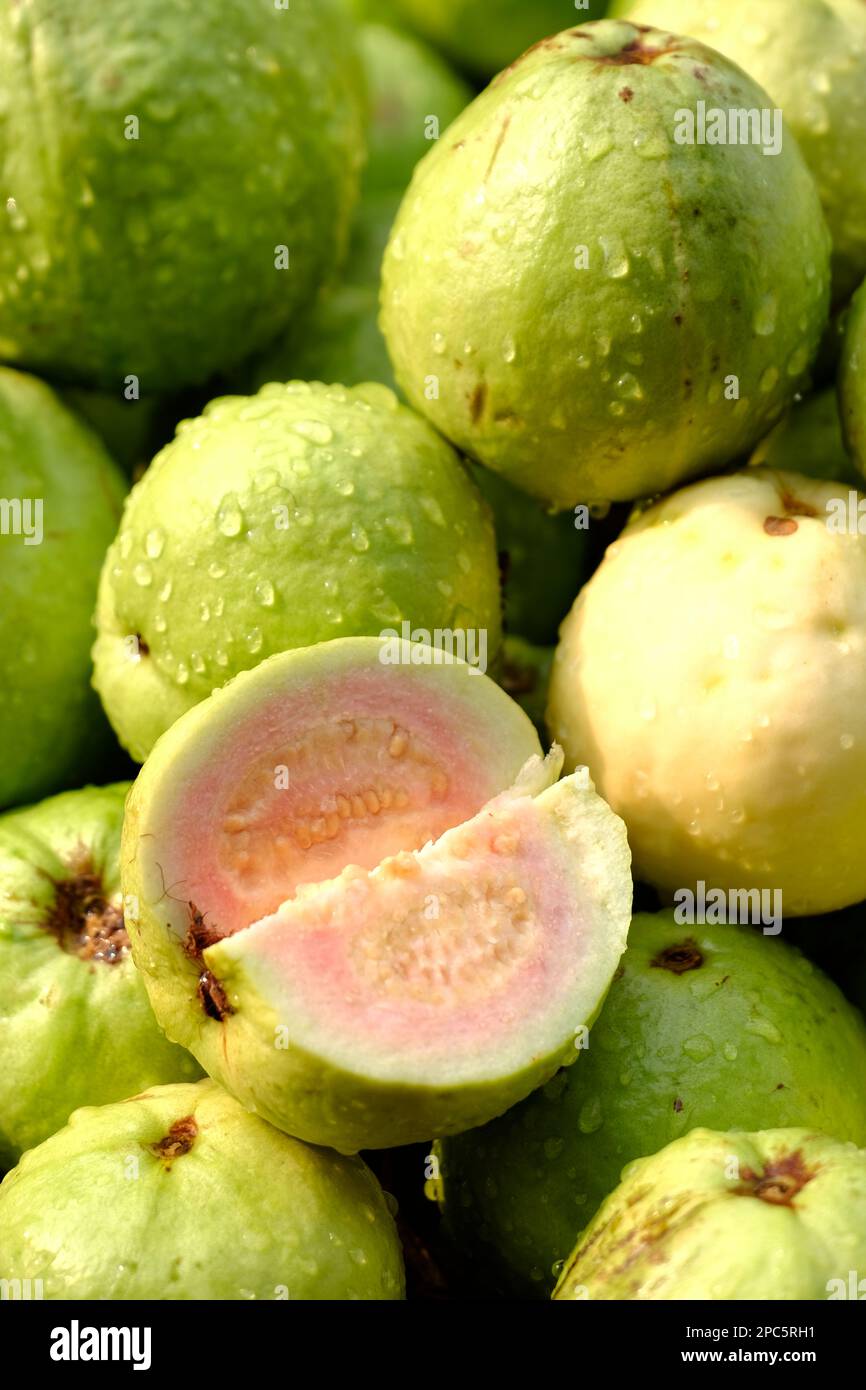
x: 345, y: 771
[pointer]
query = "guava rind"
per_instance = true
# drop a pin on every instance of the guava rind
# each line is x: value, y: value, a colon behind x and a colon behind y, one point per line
x: 691, y: 1222
x: 303, y: 513
x: 714, y: 1027
x: 335, y: 1083
x: 483, y: 36
x: 51, y: 727
x: 810, y: 55
x: 157, y: 256
x: 218, y: 1205
x: 703, y: 724
x: 809, y: 440
x: 852, y: 382
x: 77, y: 1030
x: 611, y: 381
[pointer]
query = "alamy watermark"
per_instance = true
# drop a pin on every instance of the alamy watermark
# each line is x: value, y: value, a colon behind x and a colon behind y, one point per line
x: 719, y: 906
x: 716, y: 125
x: 22, y: 516
x: 423, y: 646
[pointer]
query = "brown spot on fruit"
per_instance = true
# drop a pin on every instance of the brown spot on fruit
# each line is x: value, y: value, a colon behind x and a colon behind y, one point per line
x: 626, y: 94
x: 780, y: 525
x: 143, y: 648
x: 679, y: 958
x: 678, y: 1105
x: 178, y: 1141
x: 780, y: 1182
x: 795, y: 506
x: 213, y: 997
x: 477, y: 402
x: 503, y: 131
x: 84, y: 921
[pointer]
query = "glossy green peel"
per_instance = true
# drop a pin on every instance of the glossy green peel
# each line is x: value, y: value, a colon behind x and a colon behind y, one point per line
x: 77, y: 1025
x: 203, y: 161
x: 51, y: 466
x: 483, y: 36
x: 852, y: 382
x: 585, y: 304
x: 774, y: 1215
x: 718, y: 1027
x: 178, y: 1193
x: 301, y: 514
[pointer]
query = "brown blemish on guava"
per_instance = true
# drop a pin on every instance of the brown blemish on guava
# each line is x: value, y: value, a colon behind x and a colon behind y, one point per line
x: 780, y: 1182
x: 795, y: 506
x: 213, y: 997
x: 200, y: 934
x: 84, y: 921
x: 143, y: 648
x: 177, y: 1142
x: 679, y: 958
x: 678, y: 1105
x: 503, y: 131
x: 637, y: 52
x: 626, y: 94
x: 780, y: 525
x: 477, y: 402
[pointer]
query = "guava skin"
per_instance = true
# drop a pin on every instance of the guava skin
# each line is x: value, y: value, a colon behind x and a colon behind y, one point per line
x: 726, y: 723
x: 52, y: 730
x: 154, y: 251
x: 608, y: 380
x: 483, y: 36
x: 278, y: 521
x: 775, y: 1215
x: 810, y: 55
x: 716, y: 1027
x: 77, y: 1025
x: 809, y: 440
x: 544, y: 559
x: 852, y: 382
x: 212, y: 1202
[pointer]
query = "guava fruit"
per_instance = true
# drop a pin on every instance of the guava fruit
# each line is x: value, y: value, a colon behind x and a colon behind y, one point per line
x: 543, y: 558
x: 809, y: 440
x: 482, y: 36
x: 179, y: 1193
x: 414, y: 97
x: 77, y: 1025
x: 810, y: 55
x: 60, y: 505
x: 587, y: 306
x: 711, y: 1026
x: 524, y: 671
x: 711, y: 676
x: 852, y: 381
x: 302, y: 513
x: 346, y: 917
x: 204, y: 164
x: 775, y: 1215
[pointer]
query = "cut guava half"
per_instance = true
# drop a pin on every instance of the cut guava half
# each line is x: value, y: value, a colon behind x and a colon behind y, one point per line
x: 388, y: 947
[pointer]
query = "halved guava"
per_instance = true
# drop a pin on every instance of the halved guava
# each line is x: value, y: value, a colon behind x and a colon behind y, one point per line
x: 342, y: 914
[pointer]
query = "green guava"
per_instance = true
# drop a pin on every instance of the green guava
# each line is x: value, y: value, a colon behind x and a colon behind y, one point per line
x: 414, y: 97
x: 204, y: 161
x: 77, y: 1025
x: 711, y: 676
x: 585, y: 304
x: 852, y: 381
x: 275, y: 521
x: 714, y: 1026
x: 809, y: 440
x: 60, y: 505
x: 524, y: 671
x: 543, y: 559
x: 810, y: 55
x: 483, y: 36
x: 775, y: 1215
x: 179, y: 1193
x: 343, y: 913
